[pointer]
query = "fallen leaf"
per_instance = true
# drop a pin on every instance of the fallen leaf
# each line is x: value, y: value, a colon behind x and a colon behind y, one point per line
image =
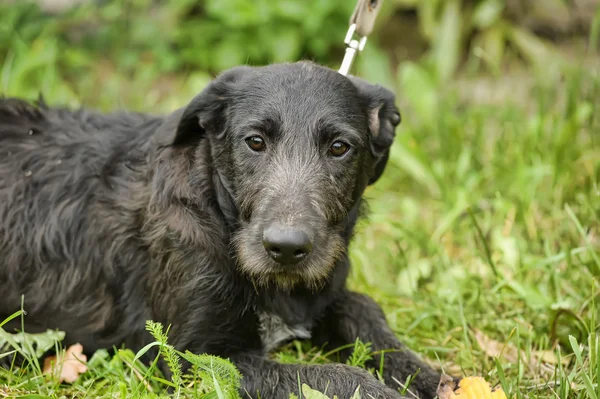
x: 494, y: 348
x: 68, y: 366
x: 536, y: 361
x: 446, y: 387
x: 310, y: 393
x: 468, y: 388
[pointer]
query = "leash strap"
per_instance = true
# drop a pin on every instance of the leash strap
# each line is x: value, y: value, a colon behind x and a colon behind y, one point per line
x: 361, y: 24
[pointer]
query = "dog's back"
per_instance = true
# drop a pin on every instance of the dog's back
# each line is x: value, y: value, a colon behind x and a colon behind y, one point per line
x: 70, y: 183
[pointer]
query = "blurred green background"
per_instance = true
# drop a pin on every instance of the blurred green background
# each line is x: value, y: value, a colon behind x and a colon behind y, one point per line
x: 169, y: 46
x: 484, y: 234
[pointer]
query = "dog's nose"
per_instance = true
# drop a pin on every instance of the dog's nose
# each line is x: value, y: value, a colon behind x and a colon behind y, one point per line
x: 286, y: 245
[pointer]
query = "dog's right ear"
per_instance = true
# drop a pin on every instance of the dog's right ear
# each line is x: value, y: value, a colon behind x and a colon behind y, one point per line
x: 205, y: 113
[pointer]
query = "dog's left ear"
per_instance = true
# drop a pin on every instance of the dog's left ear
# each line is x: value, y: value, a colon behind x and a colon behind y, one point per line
x: 205, y: 114
x: 384, y: 116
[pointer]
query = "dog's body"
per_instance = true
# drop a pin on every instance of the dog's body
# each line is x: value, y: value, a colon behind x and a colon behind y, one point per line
x: 228, y: 220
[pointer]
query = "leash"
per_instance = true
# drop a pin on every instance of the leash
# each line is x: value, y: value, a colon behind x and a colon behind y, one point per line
x: 361, y: 25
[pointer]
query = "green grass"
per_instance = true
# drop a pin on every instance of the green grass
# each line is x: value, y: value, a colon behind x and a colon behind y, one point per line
x: 483, y: 243
x: 488, y: 222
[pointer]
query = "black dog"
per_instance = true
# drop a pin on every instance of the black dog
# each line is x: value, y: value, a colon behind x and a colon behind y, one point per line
x: 229, y: 220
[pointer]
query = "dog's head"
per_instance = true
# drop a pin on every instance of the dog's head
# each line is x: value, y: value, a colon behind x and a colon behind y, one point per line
x: 293, y: 147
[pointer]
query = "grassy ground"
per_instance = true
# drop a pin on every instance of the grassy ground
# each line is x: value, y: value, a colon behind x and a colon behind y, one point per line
x: 483, y: 244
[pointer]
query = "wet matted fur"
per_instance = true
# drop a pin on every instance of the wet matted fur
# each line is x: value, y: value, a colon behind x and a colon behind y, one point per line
x: 107, y: 221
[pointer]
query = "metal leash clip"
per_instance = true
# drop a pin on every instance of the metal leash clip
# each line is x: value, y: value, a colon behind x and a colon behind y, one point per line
x: 361, y: 24
x: 352, y: 47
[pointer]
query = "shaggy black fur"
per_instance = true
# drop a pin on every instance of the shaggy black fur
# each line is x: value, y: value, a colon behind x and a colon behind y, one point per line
x: 107, y: 221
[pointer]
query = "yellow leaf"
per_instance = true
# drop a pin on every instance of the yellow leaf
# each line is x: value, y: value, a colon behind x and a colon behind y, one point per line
x: 468, y: 388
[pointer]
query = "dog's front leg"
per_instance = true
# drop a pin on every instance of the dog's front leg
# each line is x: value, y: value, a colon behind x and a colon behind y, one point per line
x: 357, y: 316
x: 263, y: 378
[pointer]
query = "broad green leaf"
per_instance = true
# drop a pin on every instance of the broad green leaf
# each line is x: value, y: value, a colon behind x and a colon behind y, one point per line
x: 31, y: 345
x: 310, y: 393
x: 408, y: 278
x: 492, y: 42
x: 487, y: 13
x: 530, y: 294
x: 420, y: 90
x: 538, y: 52
x: 447, y: 46
x: 410, y: 161
x: 428, y: 21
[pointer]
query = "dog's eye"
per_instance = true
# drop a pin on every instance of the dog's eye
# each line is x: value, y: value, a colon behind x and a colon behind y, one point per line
x: 255, y: 143
x: 338, y: 148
